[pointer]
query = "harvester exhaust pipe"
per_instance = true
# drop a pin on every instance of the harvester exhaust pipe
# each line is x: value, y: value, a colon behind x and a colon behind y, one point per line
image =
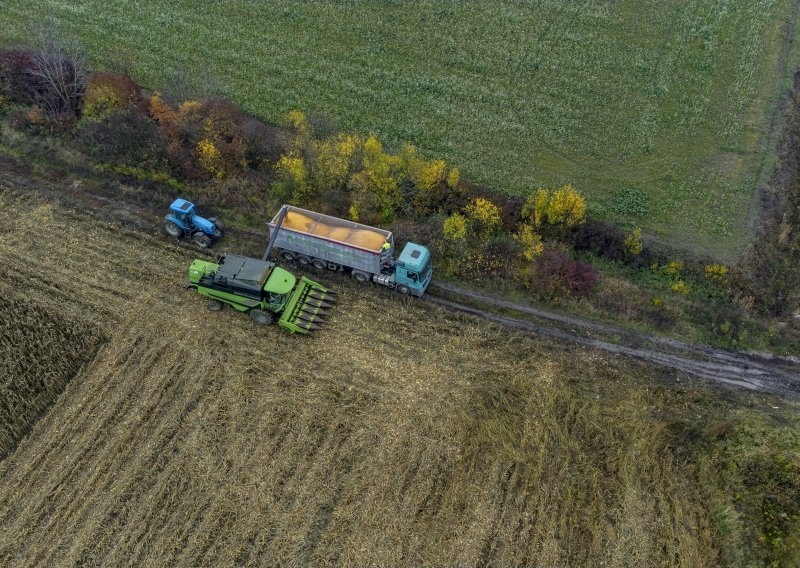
x: 274, y: 235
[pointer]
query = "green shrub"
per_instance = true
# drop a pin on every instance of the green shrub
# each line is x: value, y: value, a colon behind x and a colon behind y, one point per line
x: 631, y: 201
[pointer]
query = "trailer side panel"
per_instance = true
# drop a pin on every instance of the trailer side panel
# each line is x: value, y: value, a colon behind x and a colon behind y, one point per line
x: 328, y: 250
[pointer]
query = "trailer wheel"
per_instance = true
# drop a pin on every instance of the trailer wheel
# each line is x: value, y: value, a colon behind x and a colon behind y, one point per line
x: 318, y: 264
x: 404, y: 290
x: 360, y: 277
x: 262, y: 317
x: 287, y: 256
x: 215, y: 305
x: 173, y: 230
x: 303, y: 260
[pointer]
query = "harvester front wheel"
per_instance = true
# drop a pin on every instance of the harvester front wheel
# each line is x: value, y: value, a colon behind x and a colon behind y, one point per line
x: 202, y: 240
x: 173, y: 230
x: 215, y: 305
x: 262, y: 317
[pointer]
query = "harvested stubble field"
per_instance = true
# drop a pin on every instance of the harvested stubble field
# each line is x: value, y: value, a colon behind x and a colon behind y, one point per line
x: 400, y: 435
x: 39, y: 353
x: 660, y: 110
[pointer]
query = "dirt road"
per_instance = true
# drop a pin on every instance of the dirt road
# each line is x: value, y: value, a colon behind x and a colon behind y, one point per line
x: 759, y: 372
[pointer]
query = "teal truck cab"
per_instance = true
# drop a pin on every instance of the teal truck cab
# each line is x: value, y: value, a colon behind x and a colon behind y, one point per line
x: 413, y: 269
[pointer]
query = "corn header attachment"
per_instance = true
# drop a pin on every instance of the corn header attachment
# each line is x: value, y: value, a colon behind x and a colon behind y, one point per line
x: 307, y: 308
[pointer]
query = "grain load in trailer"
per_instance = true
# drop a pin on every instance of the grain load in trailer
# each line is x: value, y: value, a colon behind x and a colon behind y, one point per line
x: 336, y: 229
x: 327, y: 242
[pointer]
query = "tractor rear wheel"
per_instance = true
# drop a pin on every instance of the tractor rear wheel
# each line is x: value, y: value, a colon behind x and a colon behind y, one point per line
x: 262, y: 317
x: 202, y: 240
x: 215, y: 305
x: 173, y: 230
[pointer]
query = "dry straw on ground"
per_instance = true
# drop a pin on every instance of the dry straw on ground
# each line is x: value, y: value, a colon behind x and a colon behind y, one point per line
x: 400, y: 435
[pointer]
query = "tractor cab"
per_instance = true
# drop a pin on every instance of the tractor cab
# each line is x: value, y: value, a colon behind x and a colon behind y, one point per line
x: 413, y: 268
x: 183, y: 210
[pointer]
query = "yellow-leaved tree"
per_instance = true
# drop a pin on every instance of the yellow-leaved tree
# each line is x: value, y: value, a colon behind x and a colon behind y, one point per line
x: 335, y: 161
x: 633, y: 242
x: 298, y: 122
x: 535, y: 208
x: 564, y: 207
x: 567, y: 207
x: 426, y: 175
x: 484, y: 217
x: 531, y: 245
x: 210, y: 159
x: 455, y: 228
x: 376, y: 188
x: 292, y: 179
x: 453, y: 178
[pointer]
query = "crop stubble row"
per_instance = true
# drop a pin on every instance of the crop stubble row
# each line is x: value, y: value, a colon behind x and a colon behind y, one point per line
x: 403, y: 434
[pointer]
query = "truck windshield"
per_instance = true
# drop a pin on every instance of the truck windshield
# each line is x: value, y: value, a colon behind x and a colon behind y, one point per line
x: 425, y: 273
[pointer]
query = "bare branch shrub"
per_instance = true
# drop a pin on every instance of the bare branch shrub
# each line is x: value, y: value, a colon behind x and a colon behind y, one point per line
x: 59, y: 69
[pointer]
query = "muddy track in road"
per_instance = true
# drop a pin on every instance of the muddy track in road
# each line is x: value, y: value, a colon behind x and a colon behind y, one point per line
x: 759, y: 372
x: 779, y: 377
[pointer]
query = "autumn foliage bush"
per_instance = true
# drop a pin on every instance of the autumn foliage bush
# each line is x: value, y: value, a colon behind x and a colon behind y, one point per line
x: 126, y: 136
x: 554, y: 274
x: 599, y: 238
x: 107, y: 92
x: 478, y: 233
x: 15, y: 82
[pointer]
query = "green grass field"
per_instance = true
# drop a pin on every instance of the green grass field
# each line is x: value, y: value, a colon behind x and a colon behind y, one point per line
x: 659, y: 111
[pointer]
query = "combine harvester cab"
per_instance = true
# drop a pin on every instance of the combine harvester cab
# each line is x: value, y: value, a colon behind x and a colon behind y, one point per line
x: 262, y: 289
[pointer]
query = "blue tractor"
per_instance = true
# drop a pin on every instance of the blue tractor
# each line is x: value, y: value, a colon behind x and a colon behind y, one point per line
x: 183, y: 221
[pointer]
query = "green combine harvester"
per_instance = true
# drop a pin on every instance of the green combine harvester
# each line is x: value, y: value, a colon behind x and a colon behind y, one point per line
x: 262, y: 289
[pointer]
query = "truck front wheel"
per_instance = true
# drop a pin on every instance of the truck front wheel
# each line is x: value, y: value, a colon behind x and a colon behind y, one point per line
x: 262, y: 317
x: 404, y: 290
